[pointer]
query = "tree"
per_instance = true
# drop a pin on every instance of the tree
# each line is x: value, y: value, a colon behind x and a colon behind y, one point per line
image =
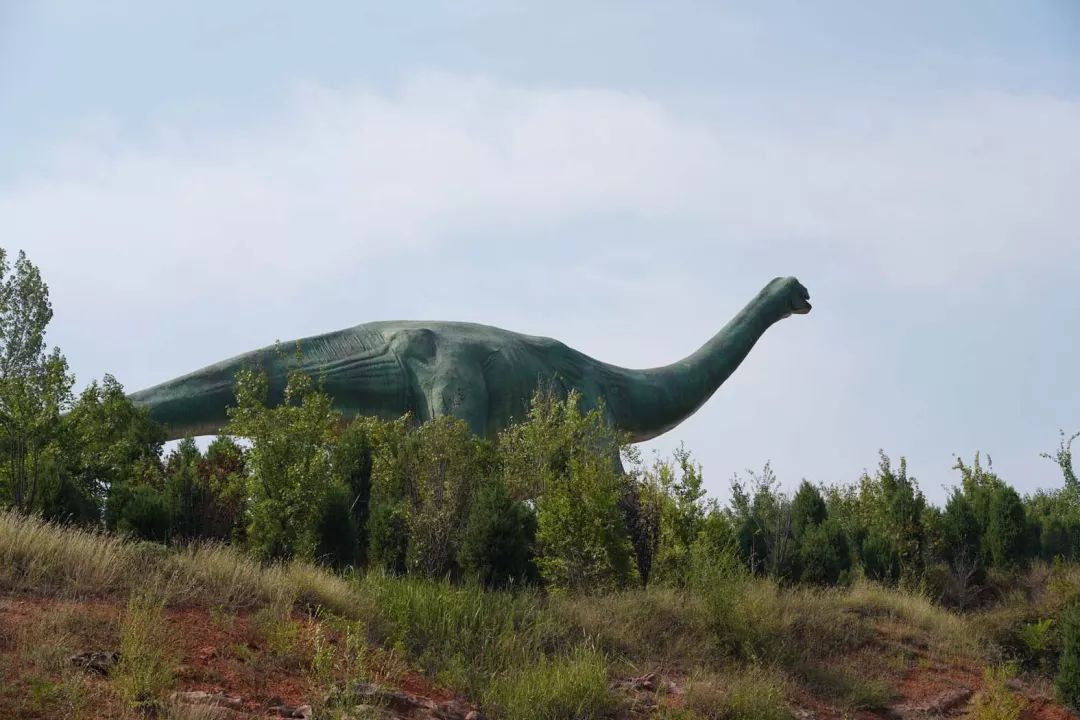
x: 289, y: 462
x: 448, y: 463
x: 679, y: 492
x: 35, y: 386
x: 824, y: 554
x: 496, y: 546
x: 1067, y: 683
x: 565, y: 461
x: 109, y: 444
x: 354, y: 462
x: 807, y: 509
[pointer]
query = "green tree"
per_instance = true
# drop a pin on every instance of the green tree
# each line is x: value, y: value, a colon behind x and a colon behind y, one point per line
x: 35, y: 386
x: 679, y: 494
x: 110, y: 446
x: 354, y: 462
x: 807, y: 509
x: 824, y: 553
x: 448, y: 464
x: 1067, y: 683
x: 565, y: 460
x: 496, y: 546
x: 289, y: 462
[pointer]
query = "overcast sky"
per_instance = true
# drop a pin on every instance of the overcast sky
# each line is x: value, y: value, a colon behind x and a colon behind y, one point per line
x: 199, y: 179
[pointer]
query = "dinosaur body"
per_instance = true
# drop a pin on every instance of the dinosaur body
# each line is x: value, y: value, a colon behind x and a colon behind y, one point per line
x: 482, y: 374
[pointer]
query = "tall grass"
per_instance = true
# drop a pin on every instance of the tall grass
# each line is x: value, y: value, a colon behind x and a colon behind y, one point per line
x: 42, y: 557
x: 520, y: 654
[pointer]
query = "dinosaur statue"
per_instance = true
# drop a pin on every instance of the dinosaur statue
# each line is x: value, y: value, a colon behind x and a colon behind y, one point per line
x: 484, y: 375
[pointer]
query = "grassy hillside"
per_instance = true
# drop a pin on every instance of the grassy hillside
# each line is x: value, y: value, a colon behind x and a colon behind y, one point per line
x: 207, y: 618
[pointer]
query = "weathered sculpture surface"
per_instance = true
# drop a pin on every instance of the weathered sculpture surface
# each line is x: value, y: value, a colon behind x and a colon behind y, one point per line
x: 482, y: 374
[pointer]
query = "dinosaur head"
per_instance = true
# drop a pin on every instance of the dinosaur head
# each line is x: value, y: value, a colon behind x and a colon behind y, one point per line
x: 788, y: 296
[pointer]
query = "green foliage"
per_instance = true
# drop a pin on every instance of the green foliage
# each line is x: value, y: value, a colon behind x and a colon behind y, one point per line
x: 807, y: 509
x: 496, y: 546
x: 1005, y: 539
x: 142, y: 511
x: 289, y: 462
x: 554, y: 689
x: 824, y: 555
x: 676, y: 489
x: 354, y: 461
x: 145, y: 670
x: 565, y: 459
x: 337, y: 537
x: 997, y: 701
x: 1067, y: 683
x: 761, y: 516
x: 35, y: 385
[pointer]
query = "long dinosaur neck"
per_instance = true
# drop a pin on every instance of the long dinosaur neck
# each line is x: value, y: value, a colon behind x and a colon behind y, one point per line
x: 647, y: 403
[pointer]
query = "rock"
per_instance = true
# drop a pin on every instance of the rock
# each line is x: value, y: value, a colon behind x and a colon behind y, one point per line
x: 301, y: 712
x: 99, y: 662
x: 395, y: 703
x: 941, y: 704
x: 644, y: 683
x: 200, y: 697
x: 370, y: 712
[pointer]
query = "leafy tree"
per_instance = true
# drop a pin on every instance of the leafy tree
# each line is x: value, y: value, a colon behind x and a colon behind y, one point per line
x: 337, y: 538
x: 565, y: 460
x: 998, y: 511
x: 807, y: 509
x: 761, y: 516
x: 496, y: 547
x: 224, y: 470
x: 678, y: 487
x: 188, y: 494
x: 448, y: 463
x: 141, y: 510
x: 354, y: 462
x: 109, y: 441
x: 289, y: 462
x: 1067, y: 683
x: 1006, y: 537
x: 35, y: 386
x: 824, y: 554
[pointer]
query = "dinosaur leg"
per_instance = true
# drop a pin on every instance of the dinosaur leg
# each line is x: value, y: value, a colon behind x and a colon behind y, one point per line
x: 463, y: 394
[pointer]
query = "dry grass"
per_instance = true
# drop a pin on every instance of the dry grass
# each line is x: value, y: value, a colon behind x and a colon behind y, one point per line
x: 748, y: 636
x: 40, y: 557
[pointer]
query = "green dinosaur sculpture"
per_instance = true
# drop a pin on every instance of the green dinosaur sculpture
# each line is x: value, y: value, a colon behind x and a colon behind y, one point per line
x: 482, y: 374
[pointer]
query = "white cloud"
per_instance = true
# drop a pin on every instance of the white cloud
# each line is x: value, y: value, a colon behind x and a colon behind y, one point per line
x: 346, y: 176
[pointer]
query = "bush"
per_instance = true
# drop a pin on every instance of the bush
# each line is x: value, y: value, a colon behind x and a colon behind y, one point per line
x: 496, y: 547
x: 824, y: 555
x: 879, y: 561
x: 144, y: 671
x: 1067, y: 683
x: 555, y: 689
x: 139, y: 510
x: 565, y: 461
x: 335, y: 529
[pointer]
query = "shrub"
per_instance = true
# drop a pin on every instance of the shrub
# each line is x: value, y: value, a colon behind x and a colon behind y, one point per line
x: 555, y: 689
x: 496, y: 547
x: 996, y: 701
x: 824, y: 555
x: 335, y: 529
x: 145, y: 670
x: 565, y: 460
x: 139, y: 510
x: 1067, y: 683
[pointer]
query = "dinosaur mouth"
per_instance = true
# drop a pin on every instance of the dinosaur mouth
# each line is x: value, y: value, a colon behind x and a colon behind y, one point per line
x: 801, y: 304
